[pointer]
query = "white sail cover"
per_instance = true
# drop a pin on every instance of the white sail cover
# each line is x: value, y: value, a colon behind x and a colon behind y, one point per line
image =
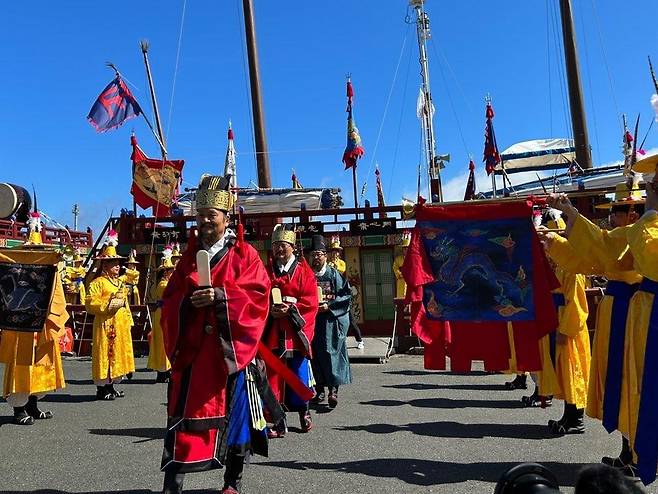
x: 540, y: 154
x: 275, y: 201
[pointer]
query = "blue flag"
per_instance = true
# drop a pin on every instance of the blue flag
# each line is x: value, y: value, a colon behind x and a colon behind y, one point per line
x: 114, y: 105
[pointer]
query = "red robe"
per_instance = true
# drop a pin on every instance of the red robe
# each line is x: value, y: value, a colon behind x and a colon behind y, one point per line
x: 295, y: 332
x: 205, y: 347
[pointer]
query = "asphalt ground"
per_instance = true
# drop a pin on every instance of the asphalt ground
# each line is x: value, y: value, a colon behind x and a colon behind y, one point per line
x: 397, y: 429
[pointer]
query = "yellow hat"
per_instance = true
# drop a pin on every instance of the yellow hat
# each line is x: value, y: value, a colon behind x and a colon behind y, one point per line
x: 166, y: 264
x: 284, y: 233
x: 132, y: 257
x: 624, y: 197
x: 557, y: 224
x: 110, y: 248
x: 646, y: 165
x: 175, y: 252
x: 34, y: 226
x: 335, y: 243
x: 213, y: 193
x: 406, y: 239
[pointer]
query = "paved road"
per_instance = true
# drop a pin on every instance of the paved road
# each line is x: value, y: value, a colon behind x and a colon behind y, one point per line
x: 397, y: 429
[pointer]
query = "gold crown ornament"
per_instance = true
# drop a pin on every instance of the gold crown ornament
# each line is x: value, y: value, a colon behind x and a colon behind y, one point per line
x: 284, y: 233
x: 213, y: 193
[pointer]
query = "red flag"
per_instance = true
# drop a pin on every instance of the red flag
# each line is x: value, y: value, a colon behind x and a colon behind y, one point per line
x: 491, y: 155
x: 155, y: 182
x: 470, y: 185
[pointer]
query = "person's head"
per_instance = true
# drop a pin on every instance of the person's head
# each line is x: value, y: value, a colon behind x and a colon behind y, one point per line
x: 212, y: 224
x: 283, y: 243
x: 335, y: 249
x: 318, y: 253
x: 213, y: 201
x: 625, y: 214
x: 602, y: 479
x: 333, y: 254
x: 111, y: 267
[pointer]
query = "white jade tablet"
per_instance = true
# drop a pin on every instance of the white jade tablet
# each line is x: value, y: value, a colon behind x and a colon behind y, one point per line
x: 203, y: 267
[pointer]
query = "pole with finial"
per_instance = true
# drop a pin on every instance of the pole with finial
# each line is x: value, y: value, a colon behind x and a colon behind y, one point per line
x: 144, y: 45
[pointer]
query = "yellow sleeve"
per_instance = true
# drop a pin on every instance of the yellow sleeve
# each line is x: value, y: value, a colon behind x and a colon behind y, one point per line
x: 569, y: 260
x: 95, y: 301
x: 131, y: 276
x: 603, y: 246
x: 643, y: 242
x: 573, y: 317
x: 397, y: 266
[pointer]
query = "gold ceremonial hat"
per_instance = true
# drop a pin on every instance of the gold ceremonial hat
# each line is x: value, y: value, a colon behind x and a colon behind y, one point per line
x: 335, y: 243
x: 624, y: 197
x: 646, y: 165
x: 284, y: 233
x: 213, y: 193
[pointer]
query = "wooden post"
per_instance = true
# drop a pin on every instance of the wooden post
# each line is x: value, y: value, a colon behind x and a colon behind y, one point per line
x: 578, y: 121
x: 262, y: 156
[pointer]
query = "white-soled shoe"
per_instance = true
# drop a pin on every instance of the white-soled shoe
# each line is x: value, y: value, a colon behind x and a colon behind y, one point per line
x: 360, y: 345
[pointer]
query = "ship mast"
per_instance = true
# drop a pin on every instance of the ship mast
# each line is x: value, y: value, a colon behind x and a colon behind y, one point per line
x: 427, y: 124
x: 262, y: 156
x: 578, y: 122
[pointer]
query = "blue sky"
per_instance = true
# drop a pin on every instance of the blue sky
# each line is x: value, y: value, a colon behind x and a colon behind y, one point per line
x: 53, y: 60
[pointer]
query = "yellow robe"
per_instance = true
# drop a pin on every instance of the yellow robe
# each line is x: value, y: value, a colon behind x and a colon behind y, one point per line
x: 131, y: 277
x: 112, y: 350
x: 32, y: 361
x: 608, y: 249
x: 339, y: 265
x: 75, y: 291
x: 643, y: 243
x: 572, y: 355
x: 400, y: 285
x: 158, y: 360
x: 611, y: 250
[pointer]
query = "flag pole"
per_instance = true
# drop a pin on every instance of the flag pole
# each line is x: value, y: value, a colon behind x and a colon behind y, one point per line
x: 356, y: 197
x: 144, y: 45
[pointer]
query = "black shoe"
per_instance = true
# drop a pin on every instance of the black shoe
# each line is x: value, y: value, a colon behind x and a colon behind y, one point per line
x: 21, y: 417
x: 573, y: 421
x: 117, y: 393
x: 305, y: 421
x: 163, y: 377
x: 319, y: 397
x: 332, y: 400
x: 519, y: 382
x: 173, y: 483
x: 104, y: 393
x: 129, y: 376
x: 33, y: 410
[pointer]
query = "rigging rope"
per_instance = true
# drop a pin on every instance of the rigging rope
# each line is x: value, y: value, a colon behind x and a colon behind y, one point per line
x: 397, y: 138
x: 173, y: 86
x: 591, y: 91
x: 383, y: 120
x: 548, y: 58
x: 242, y: 43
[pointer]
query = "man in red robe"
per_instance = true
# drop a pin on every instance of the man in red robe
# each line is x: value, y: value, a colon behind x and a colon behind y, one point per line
x: 291, y: 325
x: 211, y: 336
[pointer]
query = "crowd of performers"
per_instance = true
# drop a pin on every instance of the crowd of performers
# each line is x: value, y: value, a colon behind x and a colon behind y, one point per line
x: 616, y: 381
x: 239, y: 343
x: 279, y: 331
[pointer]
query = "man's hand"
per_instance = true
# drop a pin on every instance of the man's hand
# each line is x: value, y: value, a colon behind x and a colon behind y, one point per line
x: 203, y: 298
x: 279, y: 311
x: 562, y: 203
x: 324, y: 307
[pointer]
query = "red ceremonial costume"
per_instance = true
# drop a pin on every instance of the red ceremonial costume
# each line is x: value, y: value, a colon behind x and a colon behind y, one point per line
x: 295, y: 332
x: 467, y: 340
x: 209, y: 349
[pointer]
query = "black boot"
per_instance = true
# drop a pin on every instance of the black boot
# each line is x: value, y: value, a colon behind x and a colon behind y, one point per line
x: 305, y: 420
x: 573, y: 421
x: 233, y: 473
x: 117, y: 393
x: 104, y: 393
x: 21, y: 417
x: 173, y: 483
x: 163, y: 377
x: 319, y: 395
x: 624, y: 458
x: 33, y: 410
x: 332, y: 400
x: 519, y: 382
